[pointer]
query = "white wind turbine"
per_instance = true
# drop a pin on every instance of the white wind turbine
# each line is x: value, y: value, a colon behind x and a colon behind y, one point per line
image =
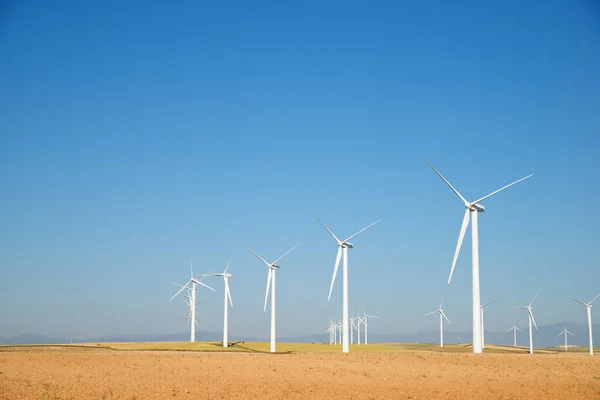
x: 515, y: 329
x: 472, y: 208
x: 531, y: 319
x: 344, y: 245
x: 483, y: 306
x: 352, y: 328
x: 359, y: 321
x: 366, y: 323
x: 191, y: 286
x: 442, y: 316
x: 273, y: 267
x: 589, y: 315
x: 565, y: 332
x: 226, y: 275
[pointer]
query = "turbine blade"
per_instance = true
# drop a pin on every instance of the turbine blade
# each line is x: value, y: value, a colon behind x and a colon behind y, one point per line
x: 570, y: 333
x: 594, y: 298
x: 501, y: 189
x: 579, y: 301
x: 510, y: 330
x: 433, y: 312
x: 228, y: 293
x: 448, y: 183
x: 180, y: 290
x: 461, y: 236
x: 441, y: 302
x: 444, y: 315
x: 362, y: 230
x: 286, y: 253
x: 191, y: 271
x: 204, y: 284
x: 260, y: 258
x: 536, y: 293
x: 532, y: 319
x: 491, y: 302
x: 227, y: 267
x: 328, y: 230
x: 518, y: 329
x: 335, y: 269
x: 203, y: 275
x: 268, y: 285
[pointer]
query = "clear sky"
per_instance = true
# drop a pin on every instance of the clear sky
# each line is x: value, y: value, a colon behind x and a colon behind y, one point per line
x: 135, y: 133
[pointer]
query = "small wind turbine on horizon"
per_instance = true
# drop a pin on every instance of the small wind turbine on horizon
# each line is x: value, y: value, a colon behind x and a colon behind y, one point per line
x: 226, y: 275
x: 531, y: 319
x: 366, y: 323
x: 589, y: 315
x: 472, y: 209
x: 273, y: 267
x: 515, y: 329
x: 442, y: 317
x: 565, y: 332
x: 358, y: 322
x: 192, y: 296
x: 343, y: 246
x: 481, y: 308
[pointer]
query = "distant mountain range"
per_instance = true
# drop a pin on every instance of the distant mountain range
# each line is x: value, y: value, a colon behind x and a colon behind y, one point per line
x: 545, y: 336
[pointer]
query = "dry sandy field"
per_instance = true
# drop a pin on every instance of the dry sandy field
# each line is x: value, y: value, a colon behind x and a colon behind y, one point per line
x: 88, y: 373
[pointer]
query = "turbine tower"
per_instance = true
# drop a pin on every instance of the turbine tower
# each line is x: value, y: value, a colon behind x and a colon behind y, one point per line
x: 565, y: 332
x: 472, y: 209
x: 226, y: 275
x: 531, y: 319
x: 483, y: 306
x: 366, y: 322
x: 358, y: 322
x: 191, y: 286
x: 515, y: 329
x: 343, y: 246
x: 442, y: 316
x: 589, y: 315
x: 273, y: 267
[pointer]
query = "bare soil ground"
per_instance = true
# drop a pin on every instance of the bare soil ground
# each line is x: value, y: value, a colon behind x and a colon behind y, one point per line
x: 89, y: 373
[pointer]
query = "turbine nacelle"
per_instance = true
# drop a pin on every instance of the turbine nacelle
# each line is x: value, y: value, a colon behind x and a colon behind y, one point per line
x: 274, y: 266
x: 347, y: 245
x: 475, y: 207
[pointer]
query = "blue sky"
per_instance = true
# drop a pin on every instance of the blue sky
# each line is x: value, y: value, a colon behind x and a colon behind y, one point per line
x: 134, y: 134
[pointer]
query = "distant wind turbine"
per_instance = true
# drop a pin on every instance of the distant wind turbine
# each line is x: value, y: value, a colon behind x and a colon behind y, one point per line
x: 226, y: 275
x: 531, y: 319
x: 442, y: 316
x: 343, y: 246
x: 273, y: 267
x: 366, y: 323
x: 589, y: 315
x: 565, y: 332
x: 472, y: 209
x: 515, y: 329
x: 191, y: 286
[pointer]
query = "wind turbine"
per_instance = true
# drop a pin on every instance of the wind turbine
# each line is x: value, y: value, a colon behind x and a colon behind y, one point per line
x: 193, y: 282
x: 344, y: 245
x: 366, y: 322
x: 442, y: 316
x: 472, y: 208
x: 565, y: 332
x: 273, y: 267
x: 531, y: 319
x: 515, y: 329
x: 360, y: 321
x: 226, y: 275
x: 589, y: 315
x: 352, y: 327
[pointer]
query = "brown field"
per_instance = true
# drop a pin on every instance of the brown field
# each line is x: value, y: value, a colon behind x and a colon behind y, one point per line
x: 387, y: 372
